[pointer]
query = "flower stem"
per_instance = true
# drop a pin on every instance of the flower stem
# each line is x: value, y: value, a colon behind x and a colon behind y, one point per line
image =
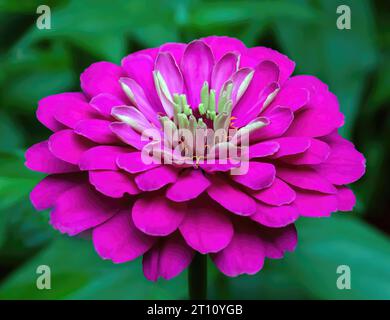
x: 197, y: 277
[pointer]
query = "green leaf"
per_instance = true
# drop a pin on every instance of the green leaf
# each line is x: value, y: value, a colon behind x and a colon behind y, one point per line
x: 106, y: 46
x: 274, y: 281
x: 102, y: 28
x: 26, y: 6
x: 340, y: 58
x: 381, y: 93
x: 77, y: 272
x: 12, y: 136
x: 33, y: 74
x: 25, y: 230
x: 325, y: 244
x: 225, y: 13
x: 16, y: 180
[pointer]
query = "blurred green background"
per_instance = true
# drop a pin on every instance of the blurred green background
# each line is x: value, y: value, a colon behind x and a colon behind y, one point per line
x: 355, y: 63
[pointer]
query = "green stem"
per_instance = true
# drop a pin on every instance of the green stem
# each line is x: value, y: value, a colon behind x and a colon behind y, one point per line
x: 197, y: 277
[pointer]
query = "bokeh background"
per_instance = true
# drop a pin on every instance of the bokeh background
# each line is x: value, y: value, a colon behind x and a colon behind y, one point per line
x: 355, y: 63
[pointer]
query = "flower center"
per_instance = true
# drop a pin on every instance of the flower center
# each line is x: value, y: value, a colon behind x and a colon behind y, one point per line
x: 201, y: 137
x: 195, y: 135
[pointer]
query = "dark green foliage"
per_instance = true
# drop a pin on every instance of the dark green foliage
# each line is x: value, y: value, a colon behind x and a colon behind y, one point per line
x: 354, y: 63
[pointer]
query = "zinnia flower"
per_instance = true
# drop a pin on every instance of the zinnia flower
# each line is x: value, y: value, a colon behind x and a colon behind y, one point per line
x: 297, y: 163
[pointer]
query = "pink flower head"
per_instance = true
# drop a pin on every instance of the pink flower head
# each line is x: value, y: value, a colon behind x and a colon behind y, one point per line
x: 297, y: 163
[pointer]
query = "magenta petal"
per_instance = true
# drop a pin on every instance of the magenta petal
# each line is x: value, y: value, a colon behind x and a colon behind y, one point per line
x: 101, y: 158
x: 280, y: 120
x: 39, y: 158
x: 244, y: 255
x: 139, y: 98
x: 206, y: 228
x: 139, y: 67
x: 315, y: 123
x: 132, y: 162
x: 167, y: 259
x: 237, y: 79
x: 286, y: 65
x: 290, y: 146
x: 314, y: 204
x: 128, y: 135
x: 223, y: 70
x: 188, y: 186
x: 231, y: 198
x: 46, y: 192
x: 196, y: 65
x: 113, y: 184
x: 279, y: 193
x: 247, y: 108
x: 102, y: 77
x: 305, y: 178
x: 263, y: 149
x: 345, y: 164
x: 317, y: 153
x: 68, y: 146
x: 176, y: 49
x: 322, y: 114
x: 222, y: 166
x: 104, y: 102
x: 157, y: 216
x: 279, y: 240
x: 132, y: 113
x: 119, y: 240
x: 345, y: 198
x: 48, y: 106
x: 96, y: 130
x: 72, y: 107
x: 259, y: 176
x: 156, y: 178
x: 166, y: 65
x: 81, y: 208
x: 291, y: 96
x: 275, y: 217
x: 221, y: 45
